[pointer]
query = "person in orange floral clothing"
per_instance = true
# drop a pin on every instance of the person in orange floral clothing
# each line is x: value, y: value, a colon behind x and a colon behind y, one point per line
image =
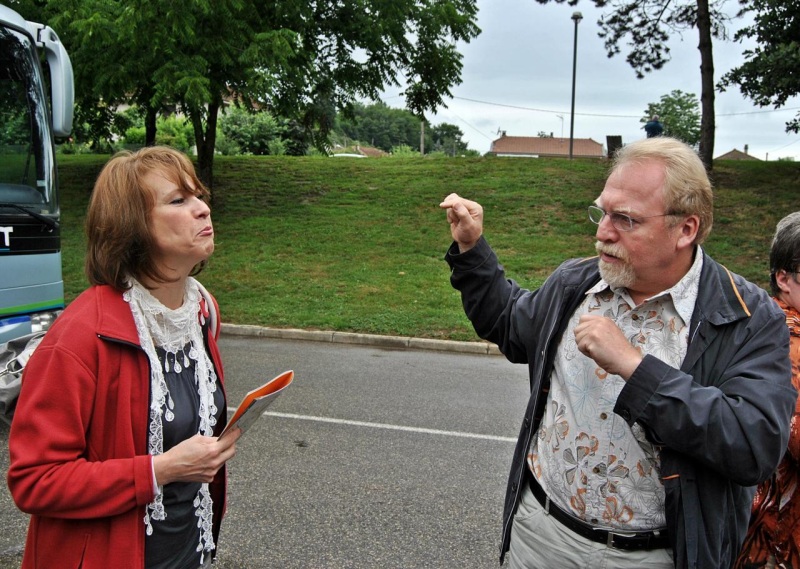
x: 773, y: 538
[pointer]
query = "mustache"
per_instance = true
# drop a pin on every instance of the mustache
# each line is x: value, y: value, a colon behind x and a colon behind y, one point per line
x: 614, y: 250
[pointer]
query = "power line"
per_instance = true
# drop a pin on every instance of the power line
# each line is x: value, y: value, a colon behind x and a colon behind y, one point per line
x: 538, y: 110
x: 759, y: 112
x: 469, y: 125
x: 557, y: 113
x: 785, y: 146
x: 532, y: 109
x: 473, y: 127
x: 614, y: 116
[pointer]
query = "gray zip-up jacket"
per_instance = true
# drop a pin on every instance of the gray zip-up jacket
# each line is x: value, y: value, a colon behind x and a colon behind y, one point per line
x: 721, y: 422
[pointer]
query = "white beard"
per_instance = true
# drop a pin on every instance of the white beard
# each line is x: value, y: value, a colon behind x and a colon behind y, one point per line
x: 617, y: 276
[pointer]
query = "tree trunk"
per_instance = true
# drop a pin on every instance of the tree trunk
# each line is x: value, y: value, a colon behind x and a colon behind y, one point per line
x: 150, y: 127
x: 205, y: 140
x: 708, y: 121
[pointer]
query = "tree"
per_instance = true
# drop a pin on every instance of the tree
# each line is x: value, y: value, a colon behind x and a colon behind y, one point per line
x: 447, y: 138
x: 390, y: 128
x: 679, y: 112
x: 113, y: 61
x: 769, y: 74
x: 300, y: 60
x: 381, y: 126
x: 648, y: 25
x: 158, y: 55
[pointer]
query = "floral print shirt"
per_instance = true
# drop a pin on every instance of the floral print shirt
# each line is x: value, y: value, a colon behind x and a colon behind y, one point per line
x: 774, y: 533
x: 587, y: 459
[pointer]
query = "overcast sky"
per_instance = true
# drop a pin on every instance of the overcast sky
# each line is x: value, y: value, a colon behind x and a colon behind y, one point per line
x: 517, y: 77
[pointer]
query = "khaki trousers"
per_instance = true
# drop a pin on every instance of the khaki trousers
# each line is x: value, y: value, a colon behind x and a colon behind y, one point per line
x: 538, y: 541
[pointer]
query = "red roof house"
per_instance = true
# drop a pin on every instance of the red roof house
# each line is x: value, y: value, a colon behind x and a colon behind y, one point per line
x: 736, y: 154
x: 537, y: 146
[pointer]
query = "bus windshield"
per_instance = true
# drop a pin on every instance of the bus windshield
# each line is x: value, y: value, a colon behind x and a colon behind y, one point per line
x: 27, y: 167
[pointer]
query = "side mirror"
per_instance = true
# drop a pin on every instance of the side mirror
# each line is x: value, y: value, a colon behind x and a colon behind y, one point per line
x: 61, y: 77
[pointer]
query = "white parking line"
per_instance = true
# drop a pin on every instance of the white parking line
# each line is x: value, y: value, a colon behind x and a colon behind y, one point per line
x: 391, y: 427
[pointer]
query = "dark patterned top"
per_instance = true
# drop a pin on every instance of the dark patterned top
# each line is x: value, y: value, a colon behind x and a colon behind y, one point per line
x: 173, y: 544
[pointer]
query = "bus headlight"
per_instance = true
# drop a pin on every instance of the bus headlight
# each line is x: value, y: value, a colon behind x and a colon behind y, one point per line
x: 41, y: 321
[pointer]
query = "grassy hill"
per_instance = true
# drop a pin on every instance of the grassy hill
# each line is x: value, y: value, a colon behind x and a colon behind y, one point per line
x: 357, y: 245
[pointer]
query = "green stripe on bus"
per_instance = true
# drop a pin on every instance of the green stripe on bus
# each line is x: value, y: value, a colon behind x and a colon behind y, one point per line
x: 35, y: 307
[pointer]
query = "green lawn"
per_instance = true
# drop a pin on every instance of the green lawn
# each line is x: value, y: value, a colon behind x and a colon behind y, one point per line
x: 357, y: 245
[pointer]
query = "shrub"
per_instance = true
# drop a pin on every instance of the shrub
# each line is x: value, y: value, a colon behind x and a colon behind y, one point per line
x: 253, y: 133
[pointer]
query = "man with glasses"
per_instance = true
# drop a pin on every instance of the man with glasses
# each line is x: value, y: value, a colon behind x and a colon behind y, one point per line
x: 660, y: 382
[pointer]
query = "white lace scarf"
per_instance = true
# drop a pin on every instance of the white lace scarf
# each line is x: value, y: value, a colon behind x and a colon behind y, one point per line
x: 172, y: 330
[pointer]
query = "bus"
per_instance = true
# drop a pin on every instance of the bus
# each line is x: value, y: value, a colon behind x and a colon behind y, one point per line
x: 31, y: 285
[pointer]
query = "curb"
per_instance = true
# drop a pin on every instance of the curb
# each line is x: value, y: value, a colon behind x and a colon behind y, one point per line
x: 396, y: 342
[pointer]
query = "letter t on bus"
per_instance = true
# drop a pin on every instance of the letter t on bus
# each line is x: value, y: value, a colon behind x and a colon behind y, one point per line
x: 6, y: 231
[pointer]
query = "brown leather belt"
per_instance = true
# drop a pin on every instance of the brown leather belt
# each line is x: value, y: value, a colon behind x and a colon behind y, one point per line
x: 623, y: 540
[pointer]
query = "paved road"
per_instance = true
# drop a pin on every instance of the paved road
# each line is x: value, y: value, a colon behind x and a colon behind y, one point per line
x: 373, y: 458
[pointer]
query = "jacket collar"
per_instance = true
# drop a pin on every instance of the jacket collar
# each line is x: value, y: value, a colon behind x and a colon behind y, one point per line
x: 114, y: 319
x: 719, y: 300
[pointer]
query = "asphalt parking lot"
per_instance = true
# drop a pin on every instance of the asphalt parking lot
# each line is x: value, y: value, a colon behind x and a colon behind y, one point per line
x: 375, y: 456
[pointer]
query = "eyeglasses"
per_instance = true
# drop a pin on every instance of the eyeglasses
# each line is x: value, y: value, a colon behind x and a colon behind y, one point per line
x: 620, y: 221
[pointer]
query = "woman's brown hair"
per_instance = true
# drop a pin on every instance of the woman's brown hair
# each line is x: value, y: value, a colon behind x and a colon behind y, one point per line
x: 119, y: 240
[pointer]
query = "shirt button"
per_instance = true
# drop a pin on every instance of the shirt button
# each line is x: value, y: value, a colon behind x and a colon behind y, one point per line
x: 594, y: 520
x: 603, y: 416
x: 635, y: 317
x: 596, y: 470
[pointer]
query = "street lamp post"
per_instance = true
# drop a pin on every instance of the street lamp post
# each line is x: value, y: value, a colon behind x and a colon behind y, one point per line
x: 576, y: 17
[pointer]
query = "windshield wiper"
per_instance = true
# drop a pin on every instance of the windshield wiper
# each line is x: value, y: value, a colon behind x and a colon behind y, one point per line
x: 51, y: 223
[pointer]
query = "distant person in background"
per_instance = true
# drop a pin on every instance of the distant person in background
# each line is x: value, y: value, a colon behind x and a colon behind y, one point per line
x: 653, y: 127
x: 773, y: 539
x: 114, y: 445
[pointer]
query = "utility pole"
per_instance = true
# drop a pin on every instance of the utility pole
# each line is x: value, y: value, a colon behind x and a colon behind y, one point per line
x: 577, y: 17
x: 422, y: 137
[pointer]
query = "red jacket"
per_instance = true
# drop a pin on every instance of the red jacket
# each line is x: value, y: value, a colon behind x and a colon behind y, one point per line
x: 78, y: 444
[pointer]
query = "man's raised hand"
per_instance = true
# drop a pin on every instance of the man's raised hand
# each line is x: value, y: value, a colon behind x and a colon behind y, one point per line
x: 466, y: 220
